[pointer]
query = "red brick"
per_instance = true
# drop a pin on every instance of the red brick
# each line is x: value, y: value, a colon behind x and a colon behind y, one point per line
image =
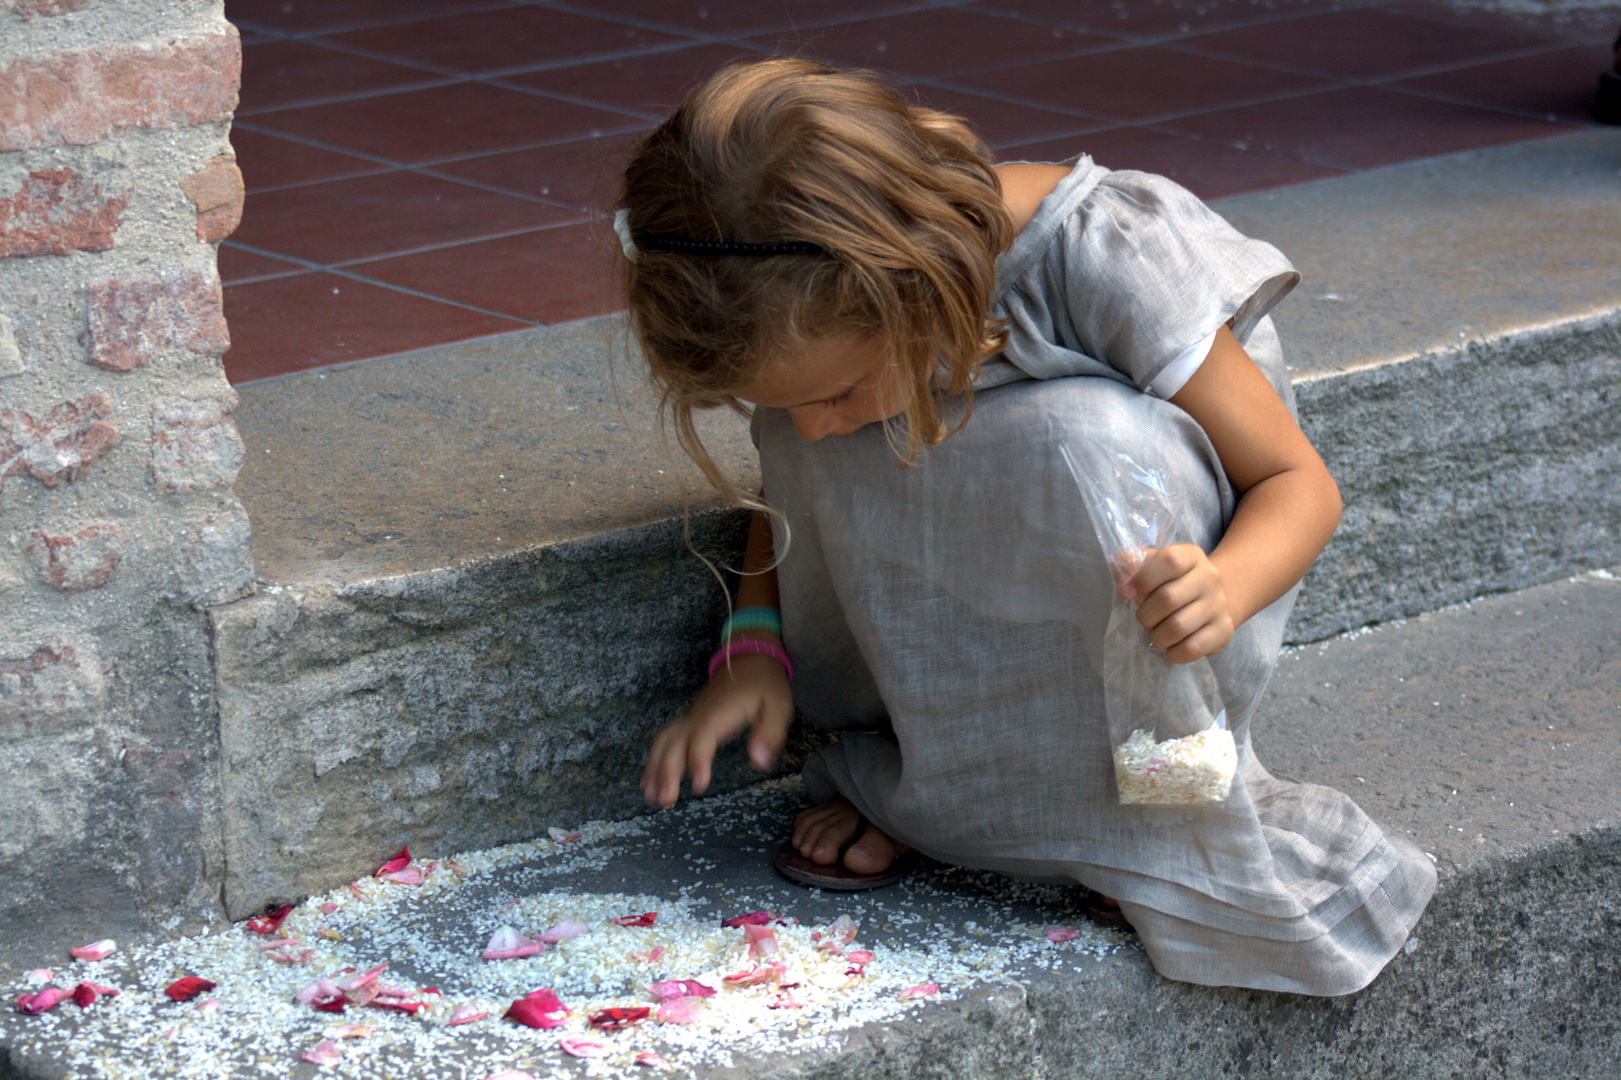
x: 195, y: 445
x: 80, y: 97
x: 60, y: 447
x: 216, y: 191
x: 27, y: 9
x: 57, y: 211
x: 134, y: 318
x: 79, y: 560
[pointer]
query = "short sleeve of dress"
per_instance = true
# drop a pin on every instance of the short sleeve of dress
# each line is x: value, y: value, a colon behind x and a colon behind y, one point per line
x: 1132, y: 270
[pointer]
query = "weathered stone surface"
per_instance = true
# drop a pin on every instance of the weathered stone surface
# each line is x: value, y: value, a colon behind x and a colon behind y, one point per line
x: 27, y: 9
x: 216, y: 190
x: 60, y: 447
x: 195, y: 445
x: 56, y: 211
x: 136, y: 317
x: 468, y: 707
x: 11, y: 357
x: 79, y: 560
x: 213, y: 560
x: 80, y: 97
x: 48, y: 687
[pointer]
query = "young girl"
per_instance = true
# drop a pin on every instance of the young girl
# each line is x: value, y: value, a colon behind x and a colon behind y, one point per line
x: 918, y: 332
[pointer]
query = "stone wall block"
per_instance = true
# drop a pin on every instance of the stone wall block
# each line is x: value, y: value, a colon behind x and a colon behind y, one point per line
x: 56, y: 211
x: 48, y: 687
x: 27, y: 9
x: 195, y: 445
x: 79, y: 98
x: 11, y: 357
x: 134, y: 318
x: 60, y: 447
x: 216, y: 190
x: 78, y: 560
x: 213, y: 562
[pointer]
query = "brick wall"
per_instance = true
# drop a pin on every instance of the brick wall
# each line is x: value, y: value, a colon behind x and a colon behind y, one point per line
x: 117, y: 455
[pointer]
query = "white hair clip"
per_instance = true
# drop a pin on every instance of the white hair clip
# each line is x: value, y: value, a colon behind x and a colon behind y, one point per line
x: 622, y: 227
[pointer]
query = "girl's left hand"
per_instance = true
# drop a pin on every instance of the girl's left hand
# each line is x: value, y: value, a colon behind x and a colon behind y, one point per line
x: 1184, y: 605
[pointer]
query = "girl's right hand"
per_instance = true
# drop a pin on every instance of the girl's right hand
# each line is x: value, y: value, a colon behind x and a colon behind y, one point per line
x: 752, y: 692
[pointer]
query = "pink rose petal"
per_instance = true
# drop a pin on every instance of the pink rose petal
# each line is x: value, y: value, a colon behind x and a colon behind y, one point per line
x: 762, y: 939
x: 318, y: 991
x: 325, y: 1052
x: 563, y: 836
x: 209, y: 1005
x: 681, y: 1010
x: 651, y: 956
x: 647, y: 1057
x: 49, y: 998
x: 508, y: 944
x: 787, y: 999
x: 1057, y: 934
x: 567, y: 930
x: 457, y: 867
x: 409, y: 876
x: 759, y: 973
x: 363, y: 979
x: 96, y: 950
x: 348, y: 1031
x: 398, y: 862
x: 328, y: 908
x: 39, y: 976
x: 753, y: 918
x: 921, y: 990
x: 843, y: 930
x: 466, y: 1014
x: 397, y: 1005
x: 859, y: 956
x: 539, y: 1009
x: 675, y: 988
x: 582, y: 1048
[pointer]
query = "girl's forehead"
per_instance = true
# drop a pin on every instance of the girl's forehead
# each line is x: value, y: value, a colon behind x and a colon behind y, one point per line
x: 824, y: 368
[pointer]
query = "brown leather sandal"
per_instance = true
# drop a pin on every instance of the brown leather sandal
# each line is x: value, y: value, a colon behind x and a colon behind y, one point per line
x: 1103, y: 911
x: 797, y: 868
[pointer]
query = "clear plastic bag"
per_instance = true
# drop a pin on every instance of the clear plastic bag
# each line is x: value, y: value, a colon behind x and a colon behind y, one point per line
x: 1167, y: 723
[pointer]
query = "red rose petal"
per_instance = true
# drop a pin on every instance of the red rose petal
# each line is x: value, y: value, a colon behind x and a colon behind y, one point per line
x: 614, y: 1019
x: 676, y: 988
x: 753, y: 918
x: 539, y: 1009
x: 34, y: 1004
x: 270, y: 921
x: 188, y: 988
x: 644, y: 919
x: 398, y: 862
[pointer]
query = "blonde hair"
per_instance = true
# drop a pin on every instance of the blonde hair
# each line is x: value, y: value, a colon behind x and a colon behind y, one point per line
x: 902, y: 201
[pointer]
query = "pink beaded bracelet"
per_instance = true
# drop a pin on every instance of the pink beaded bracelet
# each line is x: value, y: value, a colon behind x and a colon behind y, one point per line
x: 739, y: 646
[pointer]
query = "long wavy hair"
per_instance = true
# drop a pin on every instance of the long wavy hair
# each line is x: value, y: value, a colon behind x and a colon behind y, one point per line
x: 902, y: 200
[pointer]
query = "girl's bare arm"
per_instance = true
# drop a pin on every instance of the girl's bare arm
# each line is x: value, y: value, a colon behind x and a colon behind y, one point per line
x: 1288, y: 508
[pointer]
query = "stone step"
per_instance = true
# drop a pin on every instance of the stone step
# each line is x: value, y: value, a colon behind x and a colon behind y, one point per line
x: 476, y: 602
x: 1489, y: 733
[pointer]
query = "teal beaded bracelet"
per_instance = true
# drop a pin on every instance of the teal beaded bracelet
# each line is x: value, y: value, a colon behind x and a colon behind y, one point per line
x: 752, y: 618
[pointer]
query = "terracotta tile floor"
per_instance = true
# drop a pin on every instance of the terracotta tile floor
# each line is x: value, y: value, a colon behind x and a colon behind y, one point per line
x: 426, y: 171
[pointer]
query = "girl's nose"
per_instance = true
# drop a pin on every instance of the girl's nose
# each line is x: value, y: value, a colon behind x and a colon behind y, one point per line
x: 814, y: 422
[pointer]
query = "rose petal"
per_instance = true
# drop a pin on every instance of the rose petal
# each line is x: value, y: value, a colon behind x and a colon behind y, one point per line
x: 647, y: 1057
x: 762, y: 939
x: 466, y: 1014
x: 675, y: 988
x: 567, y: 930
x: 398, y: 862
x: 1057, y: 934
x: 348, y: 1031
x: 398, y: 1005
x: 646, y: 918
x: 49, y: 998
x: 539, y: 1009
x: 843, y: 930
x: 270, y: 921
x: 319, y: 990
x: 651, y: 956
x: 859, y: 956
x: 395, y: 991
x: 85, y: 994
x: 753, y: 918
x: 39, y: 976
x: 188, y: 988
x: 787, y: 1000
x: 409, y: 876
x: 758, y: 974
x: 457, y: 867
x: 921, y: 990
x: 325, y: 1052
x: 363, y: 979
x: 681, y: 1010
x: 582, y: 1047
x: 96, y: 950
x: 328, y: 908
x: 616, y: 1018
x: 563, y: 836
x: 508, y: 944
x: 209, y: 1005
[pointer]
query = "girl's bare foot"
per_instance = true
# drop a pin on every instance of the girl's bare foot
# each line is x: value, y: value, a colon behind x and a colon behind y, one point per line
x: 821, y: 832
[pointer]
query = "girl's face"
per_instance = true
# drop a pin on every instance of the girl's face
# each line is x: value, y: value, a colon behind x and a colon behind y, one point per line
x: 835, y: 386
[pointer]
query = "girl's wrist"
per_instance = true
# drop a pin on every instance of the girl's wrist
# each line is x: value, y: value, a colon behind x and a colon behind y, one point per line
x: 755, y: 621
x: 750, y: 646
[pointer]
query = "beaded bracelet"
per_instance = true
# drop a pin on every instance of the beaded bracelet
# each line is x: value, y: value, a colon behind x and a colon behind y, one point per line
x: 752, y: 618
x: 750, y: 645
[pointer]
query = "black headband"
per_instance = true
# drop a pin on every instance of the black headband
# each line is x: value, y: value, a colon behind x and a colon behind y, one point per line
x: 685, y: 245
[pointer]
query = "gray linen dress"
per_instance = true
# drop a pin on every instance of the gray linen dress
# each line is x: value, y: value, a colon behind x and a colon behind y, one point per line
x: 949, y: 618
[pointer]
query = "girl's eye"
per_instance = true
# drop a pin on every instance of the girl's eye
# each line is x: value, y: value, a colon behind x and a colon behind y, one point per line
x: 842, y: 398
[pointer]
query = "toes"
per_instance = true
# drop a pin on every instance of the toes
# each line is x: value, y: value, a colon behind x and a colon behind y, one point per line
x: 821, y: 833
x: 873, y: 853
